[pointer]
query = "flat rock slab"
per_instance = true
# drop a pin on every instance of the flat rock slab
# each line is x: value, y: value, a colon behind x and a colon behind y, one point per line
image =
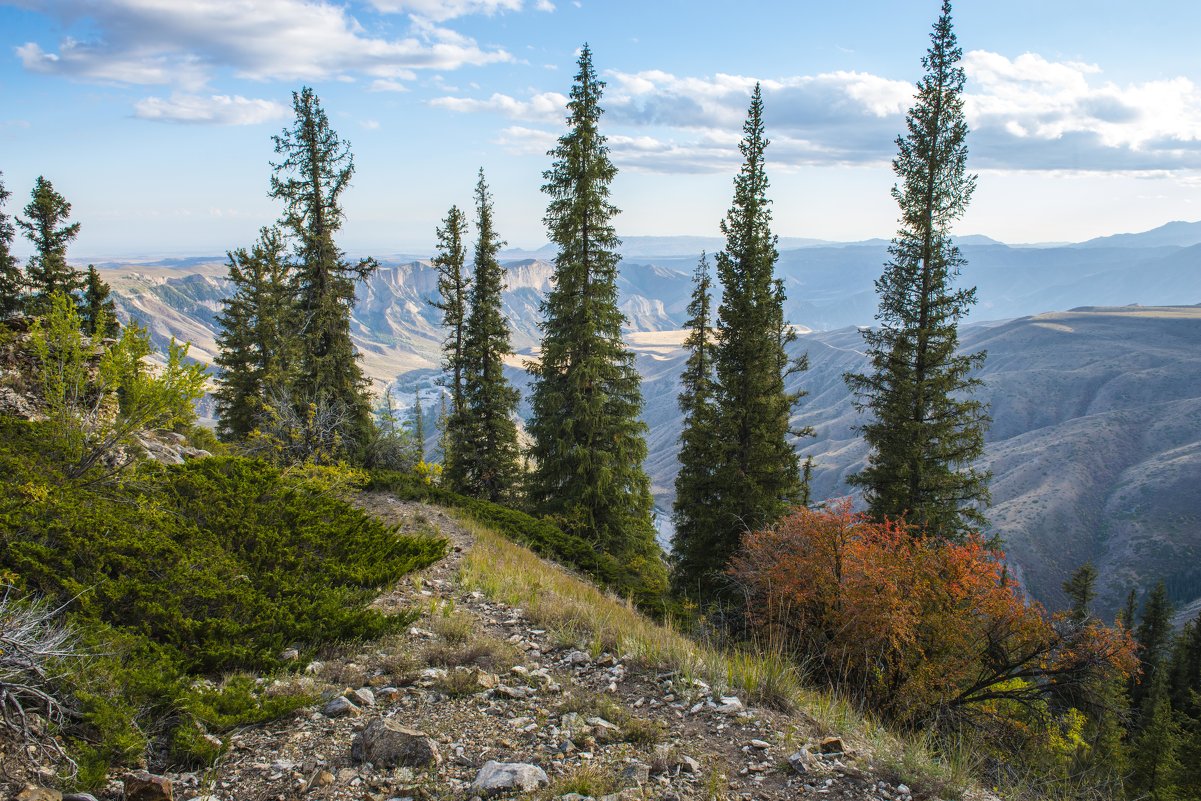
x: 387, y: 744
x: 498, y: 777
x: 143, y: 786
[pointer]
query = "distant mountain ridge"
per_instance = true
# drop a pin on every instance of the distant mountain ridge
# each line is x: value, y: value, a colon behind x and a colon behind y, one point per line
x: 1094, y: 409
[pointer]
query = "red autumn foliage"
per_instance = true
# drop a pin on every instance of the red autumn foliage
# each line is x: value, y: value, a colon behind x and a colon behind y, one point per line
x: 915, y: 626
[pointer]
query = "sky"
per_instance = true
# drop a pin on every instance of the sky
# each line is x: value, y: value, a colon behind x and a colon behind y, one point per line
x: 154, y: 118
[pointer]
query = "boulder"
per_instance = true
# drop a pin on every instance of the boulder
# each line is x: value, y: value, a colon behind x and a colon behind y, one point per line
x: 143, y: 786
x: 32, y: 793
x: 387, y: 744
x: 499, y: 777
x: 831, y: 746
x: 801, y: 761
x: 364, y: 696
x: 636, y: 773
x: 341, y: 707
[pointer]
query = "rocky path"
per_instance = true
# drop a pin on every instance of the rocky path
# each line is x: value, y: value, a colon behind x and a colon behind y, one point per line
x: 474, y: 701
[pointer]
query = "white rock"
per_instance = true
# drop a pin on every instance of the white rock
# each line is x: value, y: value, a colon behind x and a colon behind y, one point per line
x: 498, y: 777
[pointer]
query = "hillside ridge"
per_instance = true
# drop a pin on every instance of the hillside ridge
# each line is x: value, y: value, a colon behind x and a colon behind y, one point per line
x: 491, y: 682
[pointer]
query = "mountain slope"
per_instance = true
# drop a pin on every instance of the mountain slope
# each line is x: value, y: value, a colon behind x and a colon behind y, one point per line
x: 1095, y: 445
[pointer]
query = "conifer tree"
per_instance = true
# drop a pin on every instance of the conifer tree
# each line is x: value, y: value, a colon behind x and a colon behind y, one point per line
x: 926, y: 431
x: 1126, y: 615
x: 696, y: 485
x: 12, y: 281
x: 419, y: 426
x: 1155, y: 761
x: 47, y: 228
x: 588, y: 441
x: 97, y: 306
x: 453, y: 286
x: 315, y: 169
x: 490, y: 453
x: 1154, y: 638
x: 256, y: 343
x: 1081, y: 589
x: 755, y: 472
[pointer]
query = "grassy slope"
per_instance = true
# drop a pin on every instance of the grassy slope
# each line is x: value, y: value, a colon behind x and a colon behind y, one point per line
x: 576, y: 610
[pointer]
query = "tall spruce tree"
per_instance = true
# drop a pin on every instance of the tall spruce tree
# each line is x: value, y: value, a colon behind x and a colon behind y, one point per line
x: 926, y: 431
x: 1154, y: 639
x: 588, y: 441
x: 315, y: 169
x: 257, y: 338
x: 700, y: 449
x: 46, y: 227
x: 453, y: 286
x: 12, y: 281
x: 755, y: 473
x: 419, y: 426
x: 490, y: 454
x: 97, y: 309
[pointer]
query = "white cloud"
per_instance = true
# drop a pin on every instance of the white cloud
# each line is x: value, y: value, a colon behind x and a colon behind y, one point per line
x: 1025, y: 113
x: 183, y: 42
x: 210, y: 110
x: 545, y: 106
x: 1033, y: 113
x: 442, y: 10
x: 521, y: 141
x: 387, y: 85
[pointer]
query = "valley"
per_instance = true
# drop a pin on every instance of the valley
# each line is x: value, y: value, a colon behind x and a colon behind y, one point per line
x: 1095, y: 445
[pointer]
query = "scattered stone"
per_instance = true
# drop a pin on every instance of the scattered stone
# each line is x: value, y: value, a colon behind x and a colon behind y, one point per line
x: 831, y: 746
x: 322, y: 778
x: 497, y: 777
x: 341, y: 707
x: 32, y: 793
x: 578, y: 658
x: 485, y: 680
x: 762, y: 745
x: 143, y: 786
x: 290, y: 655
x: 516, y: 693
x: 364, y: 696
x: 79, y: 797
x: 730, y: 705
x: 902, y: 789
x: 690, y: 765
x: 387, y: 744
x: 636, y: 773
x: 801, y: 761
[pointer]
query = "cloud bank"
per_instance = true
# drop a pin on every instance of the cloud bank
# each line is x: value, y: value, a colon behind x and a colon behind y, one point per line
x: 1026, y: 113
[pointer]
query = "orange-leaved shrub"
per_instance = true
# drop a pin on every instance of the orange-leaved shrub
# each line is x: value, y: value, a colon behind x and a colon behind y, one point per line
x: 916, y: 627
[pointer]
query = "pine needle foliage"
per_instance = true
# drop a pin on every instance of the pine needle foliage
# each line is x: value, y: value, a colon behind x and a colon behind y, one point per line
x: 488, y: 453
x: 256, y: 349
x: 588, y: 441
x: 453, y: 286
x: 45, y: 225
x: 926, y: 430
x: 696, y: 483
x: 98, y: 311
x: 314, y: 169
x: 747, y: 474
x: 12, y: 280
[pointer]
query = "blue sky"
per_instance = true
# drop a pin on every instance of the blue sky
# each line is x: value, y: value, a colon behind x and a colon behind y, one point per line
x: 154, y: 117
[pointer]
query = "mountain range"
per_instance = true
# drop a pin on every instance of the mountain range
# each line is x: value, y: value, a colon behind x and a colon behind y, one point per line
x: 1095, y: 445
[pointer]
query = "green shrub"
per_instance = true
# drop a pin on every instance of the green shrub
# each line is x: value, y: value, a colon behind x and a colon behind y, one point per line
x: 216, y: 565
